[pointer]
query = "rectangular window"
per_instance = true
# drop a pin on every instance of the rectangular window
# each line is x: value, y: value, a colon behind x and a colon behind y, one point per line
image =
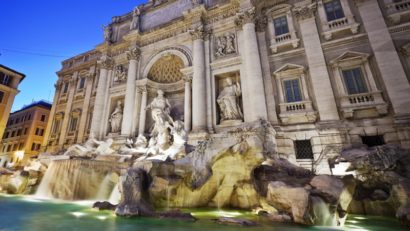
x: 4, y: 79
x: 1, y: 96
x: 21, y: 146
x: 25, y: 131
x: 334, y: 10
x: 29, y: 117
x: 19, y: 132
x: 303, y: 149
x: 292, y: 90
x: 372, y: 141
x: 354, y: 81
x: 56, y: 126
x: 43, y: 118
x: 15, y: 146
x: 33, y: 147
x: 37, y: 131
x: 65, y: 88
x: 13, y: 133
x: 281, y: 25
x: 73, y: 124
x: 82, y: 83
x: 6, y: 135
x: 9, y: 148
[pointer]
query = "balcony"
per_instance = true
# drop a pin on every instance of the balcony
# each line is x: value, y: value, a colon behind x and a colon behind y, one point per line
x: 369, y: 104
x: 397, y: 10
x: 338, y: 26
x: 288, y: 39
x: 297, y: 112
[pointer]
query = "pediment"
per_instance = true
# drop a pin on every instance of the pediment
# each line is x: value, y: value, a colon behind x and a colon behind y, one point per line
x: 349, y: 55
x: 289, y: 67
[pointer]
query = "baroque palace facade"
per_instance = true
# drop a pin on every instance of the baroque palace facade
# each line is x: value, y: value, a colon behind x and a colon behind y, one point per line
x: 324, y: 73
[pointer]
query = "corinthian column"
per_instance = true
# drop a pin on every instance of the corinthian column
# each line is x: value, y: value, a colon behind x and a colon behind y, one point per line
x: 106, y: 63
x: 143, y: 112
x: 199, y: 81
x: 256, y: 108
x: 133, y: 56
x: 187, y: 103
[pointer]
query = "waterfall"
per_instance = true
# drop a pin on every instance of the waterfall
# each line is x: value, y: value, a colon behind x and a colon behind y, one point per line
x: 115, y: 195
x: 78, y: 180
x: 321, y: 212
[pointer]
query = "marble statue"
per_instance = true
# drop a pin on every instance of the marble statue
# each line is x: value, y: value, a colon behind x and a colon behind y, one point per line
x: 135, y: 23
x: 104, y: 147
x: 82, y: 150
x: 107, y: 33
x: 160, y: 108
x: 116, y: 118
x: 137, y: 147
x: 120, y: 75
x: 228, y: 101
x: 179, y: 139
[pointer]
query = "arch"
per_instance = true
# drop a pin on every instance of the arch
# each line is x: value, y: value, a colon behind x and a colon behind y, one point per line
x: 181, y: 53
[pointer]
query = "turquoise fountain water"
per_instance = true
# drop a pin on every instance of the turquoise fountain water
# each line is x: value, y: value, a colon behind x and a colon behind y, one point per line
x: 27, y: 213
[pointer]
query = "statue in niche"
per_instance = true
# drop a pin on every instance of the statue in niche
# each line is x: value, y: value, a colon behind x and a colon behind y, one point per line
x: 135, y: 23
x: 120, y: 75
x: 160, y: 113
x: 116, y: 118
x: 107, y: 33
x: 228, y: 101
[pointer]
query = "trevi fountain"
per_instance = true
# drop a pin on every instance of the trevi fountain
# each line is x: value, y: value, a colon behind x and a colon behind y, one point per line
x: 165, y: 171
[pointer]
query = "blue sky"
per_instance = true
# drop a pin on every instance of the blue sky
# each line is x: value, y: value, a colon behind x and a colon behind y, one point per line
x: 36, y: 35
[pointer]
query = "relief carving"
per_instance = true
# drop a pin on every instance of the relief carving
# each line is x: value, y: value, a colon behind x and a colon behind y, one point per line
x: 225, y: 45
x: 120, y: 74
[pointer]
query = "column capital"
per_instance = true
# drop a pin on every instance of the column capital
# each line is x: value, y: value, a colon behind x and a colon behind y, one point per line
x: 133, y: 53
x: 106, y: 62
x: 187, y: 78
x: 142, y: 89
x: 305, y: 12
x: 261, y: 23
x: 199, y: 32
x: 246, y: 16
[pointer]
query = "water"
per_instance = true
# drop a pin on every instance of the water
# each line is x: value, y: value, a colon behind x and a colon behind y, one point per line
x: 27, y: 213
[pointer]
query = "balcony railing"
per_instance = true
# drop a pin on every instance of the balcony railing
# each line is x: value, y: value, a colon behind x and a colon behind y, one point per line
x: 396, y: 10
x: 341, y: 22
x: 363, y: 101
x: 283, y: 38
x: 297, y: 112
x: 365, y: 98
x: 288, y: 39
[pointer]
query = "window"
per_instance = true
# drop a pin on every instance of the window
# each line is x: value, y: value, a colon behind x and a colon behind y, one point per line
x: 292, y: 90
x: 1, y: 96
x: 281, y: 26
x: 39, y: 132
x: 29, y: 117
x: 43, y: 118
x: 354, y: 81
x: 82, y: 83
x: 4, y: 79
x: 19, y: 132
x: 73, y: 124
x: 334, y: 10
x: 5, y: 148
x: 65, y: 88
x: 21, y: 146
x: 6, y: 135
x: 9, y: 148
x: 303, y: 149
x: 13, y: 133
x: 25, y: 131
x: 372, y: 141
x: 15, y: 146
x: 56, y: 126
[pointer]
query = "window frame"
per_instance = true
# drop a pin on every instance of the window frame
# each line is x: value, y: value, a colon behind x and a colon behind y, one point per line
x: 335, y: 17
x: 356, y: 85
x: 297, y: 79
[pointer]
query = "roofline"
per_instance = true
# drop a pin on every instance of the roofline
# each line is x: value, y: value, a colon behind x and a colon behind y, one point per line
x: 14, y: 71
x: 41, y: 103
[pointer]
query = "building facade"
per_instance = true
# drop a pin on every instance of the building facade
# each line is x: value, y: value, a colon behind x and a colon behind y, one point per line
x: 324, y: 73
x: 24, y: 133
x: 9, y: 81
